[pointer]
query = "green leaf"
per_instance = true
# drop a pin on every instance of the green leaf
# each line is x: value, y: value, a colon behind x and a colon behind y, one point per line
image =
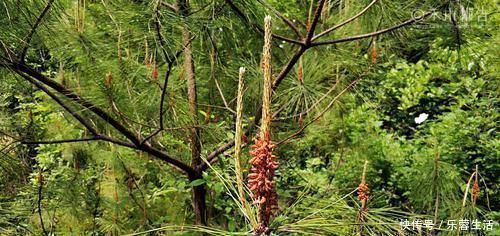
x: 196, y: 182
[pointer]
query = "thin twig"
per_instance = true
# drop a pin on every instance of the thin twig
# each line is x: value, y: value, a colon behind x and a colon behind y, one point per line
x: 315, y: 20
x: 222, y: 96
x: 280, y: 37
x: 170, y: 63
x: 345, y: 22
x: 242, y: 16
x: 59, y: 101
x: 39, y: 202
x: 287, y: 21
x: 76, y: 140
x: 172, y: 7
x: 372, y: 34
x: 486, y: 192
x: 22, y: 55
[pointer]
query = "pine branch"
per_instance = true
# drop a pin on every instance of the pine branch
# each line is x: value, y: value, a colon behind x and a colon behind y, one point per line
x: 76, y: 140
x: 33, y: 30
x: 317, y: 117
x: 241, y: 15
x: 304, y: 46
x: 376, y: 33
x: 172, y: 7
x: 78, y: 117
x: 346, y: 21
x: 287, y: 21
x: 284, y: 72
x: 21, y: 68
x: 39, y: 202
x: 170, y: 62
x: 317, y: 14
x: 28, y: 72
x: 59, y: 101
x: 98, y: 137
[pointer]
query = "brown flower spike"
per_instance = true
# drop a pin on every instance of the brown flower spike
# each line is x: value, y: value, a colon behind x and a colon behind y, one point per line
x: 260, y: 180
x: 475, y: 187
x: 264, y: 163
x: 363, y: 191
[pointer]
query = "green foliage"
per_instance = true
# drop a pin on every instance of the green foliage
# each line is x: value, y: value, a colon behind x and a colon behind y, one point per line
x: 106, y: 51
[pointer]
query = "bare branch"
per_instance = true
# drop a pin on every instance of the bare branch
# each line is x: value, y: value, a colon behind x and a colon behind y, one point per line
x: 372, y: 34
x: 286, y: 20
x: 99, y: 137
x: 222, y: 96
x: 280, y: 37
x: 257, y: 27
x: 317, y: 14
x: 172, y: 7
x: 59, y: 101
x: 346, y: 21
x: 35, y: 76
x: 33, y: 30
x: 150, y: 136
x: 218, y: 151
x: 288, y: 67
x: 170, y: 63
x: 76, y: 140
x: 21, y: 68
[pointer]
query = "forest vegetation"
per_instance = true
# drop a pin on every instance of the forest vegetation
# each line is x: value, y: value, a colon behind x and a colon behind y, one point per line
x: 249, y: 117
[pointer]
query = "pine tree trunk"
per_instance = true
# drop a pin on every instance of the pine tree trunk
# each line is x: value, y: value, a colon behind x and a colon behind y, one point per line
x: 198, y: 193
x: 198, y: 198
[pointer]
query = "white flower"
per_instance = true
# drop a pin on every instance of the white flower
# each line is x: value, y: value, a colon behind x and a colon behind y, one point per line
x: 421, y: 118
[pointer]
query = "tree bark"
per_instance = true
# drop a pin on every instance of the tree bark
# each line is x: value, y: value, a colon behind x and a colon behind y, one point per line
x: 192, y: 98
x: 198, y: 193
x: 198, y: 199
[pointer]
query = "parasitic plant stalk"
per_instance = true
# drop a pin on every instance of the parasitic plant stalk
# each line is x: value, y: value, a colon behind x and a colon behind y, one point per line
x: 475, y: 190
x: 475, y: 187
x: 374, y: 52
x: 264, y: 163
x: 238, y: 136
x: 267, y: 88
x: 363, y: 194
